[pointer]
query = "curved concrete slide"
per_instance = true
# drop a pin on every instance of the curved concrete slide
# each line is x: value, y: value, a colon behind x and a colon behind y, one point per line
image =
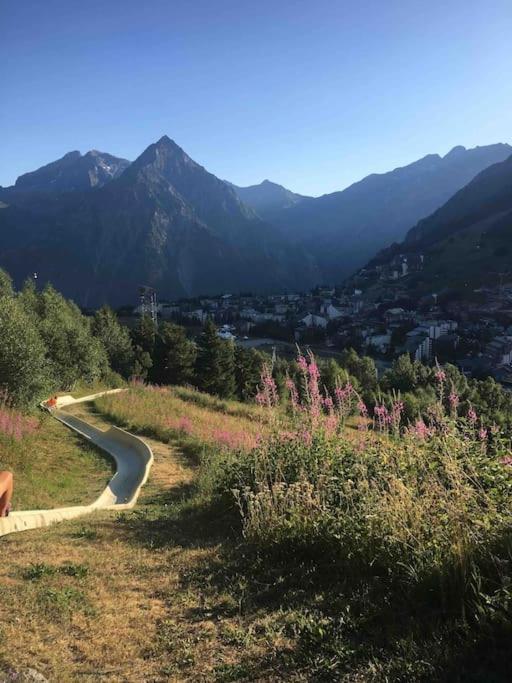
x: 133, y: 458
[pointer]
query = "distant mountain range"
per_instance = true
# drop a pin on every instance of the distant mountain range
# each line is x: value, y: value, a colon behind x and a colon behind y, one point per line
x: 98, y: 226
x: 268, y: 198
x: 467, y: 242
x: 163, y: 221
x: 344, y: 229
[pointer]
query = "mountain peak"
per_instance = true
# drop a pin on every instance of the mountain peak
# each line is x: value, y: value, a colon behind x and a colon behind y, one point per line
x: 165, y: 140
x: 267, y: 197
x: 168, y: 147
x: 456, y: 151
x: 73, y: 172
x: 168, y: 144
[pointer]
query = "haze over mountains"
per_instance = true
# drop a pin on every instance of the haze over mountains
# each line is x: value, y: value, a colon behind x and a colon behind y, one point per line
x: 344, y: 229
x: 268, y: 198
x: 468, y: 241
x: 98, y: 227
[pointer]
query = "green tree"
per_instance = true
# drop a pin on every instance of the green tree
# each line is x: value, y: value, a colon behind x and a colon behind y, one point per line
x: 142, y: 363
x: 116, y: 340
x: 144, y: 334
x: 143, y: 340
x: 29, y: 297
x: 174, y: 356
x: 73, y: 352
x: 6, y: 288
x: 23, y: 368
x: 214, y: 370
x: 333, y: 375
x: 248, y: 365
x: 363, y: 369
x: 402, y: 376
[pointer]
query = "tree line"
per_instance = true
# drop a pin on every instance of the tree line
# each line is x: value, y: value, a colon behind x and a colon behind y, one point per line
x: 48, y: 345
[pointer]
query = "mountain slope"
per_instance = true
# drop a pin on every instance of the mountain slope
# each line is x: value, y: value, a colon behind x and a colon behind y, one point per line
x: 344, y: 229
x: 468, y: 241
x: 165, y: 222
x: 488, y: 194
x: 267, y: 198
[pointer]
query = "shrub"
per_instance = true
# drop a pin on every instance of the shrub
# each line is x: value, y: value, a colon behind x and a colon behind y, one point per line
x: 424, y: 509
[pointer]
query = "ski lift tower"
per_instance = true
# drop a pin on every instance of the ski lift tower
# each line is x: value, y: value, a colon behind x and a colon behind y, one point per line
x: 148, y: 305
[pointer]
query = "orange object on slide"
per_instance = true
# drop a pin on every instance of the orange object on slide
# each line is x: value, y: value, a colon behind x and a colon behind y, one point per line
x: 51, y: 402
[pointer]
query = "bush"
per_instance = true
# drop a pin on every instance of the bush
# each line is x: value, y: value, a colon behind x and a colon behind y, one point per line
x: 424, y: 509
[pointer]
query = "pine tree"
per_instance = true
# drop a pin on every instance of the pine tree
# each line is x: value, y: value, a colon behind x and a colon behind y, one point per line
x: 143, y: 340
x: 215, y: 366
x: 174, y: 356
x: 248, y: 365
x: 144, y: 334
x: 29, y: 297
x: 402, y: 375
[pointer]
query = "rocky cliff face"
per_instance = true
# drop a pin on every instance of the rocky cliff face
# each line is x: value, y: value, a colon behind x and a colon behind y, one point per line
x: 74, y: 172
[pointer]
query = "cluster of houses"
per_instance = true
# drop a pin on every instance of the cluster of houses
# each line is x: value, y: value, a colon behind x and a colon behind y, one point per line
x: 246, y: 312
x: 398, y: 267
x: 478, y: 338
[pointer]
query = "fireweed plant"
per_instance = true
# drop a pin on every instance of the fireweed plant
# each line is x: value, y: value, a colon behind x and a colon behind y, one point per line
x: 423, y: 507
x: 15, y: 425
x: 166, y: 411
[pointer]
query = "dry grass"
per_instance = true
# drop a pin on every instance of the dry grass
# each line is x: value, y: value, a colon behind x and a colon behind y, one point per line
x: 142, y: 596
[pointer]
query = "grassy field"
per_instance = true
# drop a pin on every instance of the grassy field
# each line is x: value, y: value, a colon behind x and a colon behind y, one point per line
x: 52, y: 466
x: 163, y: 412
x: 305, y: 585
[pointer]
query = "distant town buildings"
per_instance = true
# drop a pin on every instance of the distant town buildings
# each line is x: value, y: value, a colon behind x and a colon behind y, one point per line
x: 475, y: 335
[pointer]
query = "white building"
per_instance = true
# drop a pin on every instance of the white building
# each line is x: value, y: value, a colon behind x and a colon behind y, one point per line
x: 331, y: 312
x: 419, y: 345
x: 381, y: 342
x: 314, y: 321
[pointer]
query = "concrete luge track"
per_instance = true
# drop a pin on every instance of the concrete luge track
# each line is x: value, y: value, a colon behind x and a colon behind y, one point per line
x: 133, y: 458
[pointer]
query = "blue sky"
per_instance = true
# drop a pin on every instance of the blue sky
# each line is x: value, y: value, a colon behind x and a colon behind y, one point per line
x: 314, y: 94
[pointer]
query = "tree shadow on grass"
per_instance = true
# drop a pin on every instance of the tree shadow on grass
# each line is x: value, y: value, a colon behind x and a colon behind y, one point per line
x: 180, y: 517
x: 349, y: 625
x: 339, y: 624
